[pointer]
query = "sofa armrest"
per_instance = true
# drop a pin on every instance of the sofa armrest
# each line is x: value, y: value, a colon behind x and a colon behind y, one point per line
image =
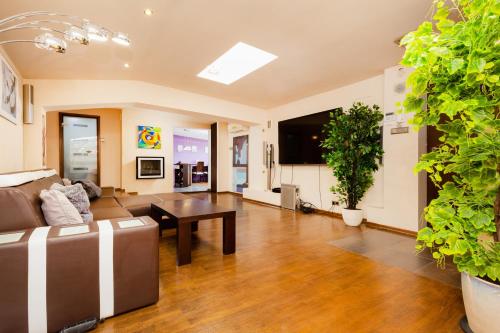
x: 68, y: 262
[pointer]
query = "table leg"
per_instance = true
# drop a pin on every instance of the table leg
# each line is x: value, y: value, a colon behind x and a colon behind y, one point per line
x: 229, y: 233
x: 194, y: 226
x: 183, y: 243
x: 157, y: 216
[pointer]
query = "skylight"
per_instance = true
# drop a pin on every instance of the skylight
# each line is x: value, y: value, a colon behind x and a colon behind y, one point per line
x: 240, y: 60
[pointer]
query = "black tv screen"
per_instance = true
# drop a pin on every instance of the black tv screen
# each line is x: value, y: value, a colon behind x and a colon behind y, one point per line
x: 299, y: 139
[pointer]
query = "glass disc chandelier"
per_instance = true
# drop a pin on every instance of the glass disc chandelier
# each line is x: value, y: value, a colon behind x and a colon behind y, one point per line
x: 58, y: 29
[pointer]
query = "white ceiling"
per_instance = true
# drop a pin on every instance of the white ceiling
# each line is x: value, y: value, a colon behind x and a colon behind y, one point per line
x: 320, y: 44
x: 192, y: 133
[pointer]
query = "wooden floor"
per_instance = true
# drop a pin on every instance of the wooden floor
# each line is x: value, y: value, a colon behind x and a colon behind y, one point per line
x: 287, y: 276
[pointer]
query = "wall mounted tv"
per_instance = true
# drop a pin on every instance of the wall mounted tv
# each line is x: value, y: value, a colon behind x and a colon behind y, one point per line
x: 299, y: 138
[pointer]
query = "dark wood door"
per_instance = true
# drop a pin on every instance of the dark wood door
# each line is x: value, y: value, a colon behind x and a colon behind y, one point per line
x: 213, y: 158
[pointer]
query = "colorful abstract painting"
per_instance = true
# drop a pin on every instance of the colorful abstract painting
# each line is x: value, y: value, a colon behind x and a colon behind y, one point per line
x: 240, y: 151
x: 149, y: 137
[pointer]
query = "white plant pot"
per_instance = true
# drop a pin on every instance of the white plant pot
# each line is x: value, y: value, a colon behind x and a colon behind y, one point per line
x: 482, y: 304
x: 352, y: 217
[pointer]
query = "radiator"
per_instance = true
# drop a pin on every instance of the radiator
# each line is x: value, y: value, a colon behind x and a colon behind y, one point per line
x: 289, y: 195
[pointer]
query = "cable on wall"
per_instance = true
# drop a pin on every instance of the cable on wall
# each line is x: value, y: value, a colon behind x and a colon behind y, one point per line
x: 319, y: 187
x: 281, y: 174
x: 274, y: 174
x: 291, y: 182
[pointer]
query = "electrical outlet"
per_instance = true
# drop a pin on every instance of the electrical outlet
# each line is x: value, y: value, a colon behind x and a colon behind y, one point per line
x: 335, y: 203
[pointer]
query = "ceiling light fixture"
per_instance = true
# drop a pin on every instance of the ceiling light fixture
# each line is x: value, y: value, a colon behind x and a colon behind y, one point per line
x: 95, y: 32
x: 75, y: 34
x: 77, y: 30
x: 50, y: 42
x: 148, y: 11
x: 239, y: 61
x: 126, y: 65
x: 121, y: 39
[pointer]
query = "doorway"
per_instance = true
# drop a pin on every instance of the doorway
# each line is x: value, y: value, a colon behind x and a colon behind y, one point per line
x: 191, y: 159
x: 79, y: 147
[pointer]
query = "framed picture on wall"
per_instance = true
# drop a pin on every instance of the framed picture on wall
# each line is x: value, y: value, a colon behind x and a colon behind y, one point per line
x: 240, y: 151
x: 148, y: 137
x: 8, y: 95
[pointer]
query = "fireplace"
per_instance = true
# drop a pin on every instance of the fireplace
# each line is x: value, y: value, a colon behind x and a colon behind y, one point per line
x: 149, y: 167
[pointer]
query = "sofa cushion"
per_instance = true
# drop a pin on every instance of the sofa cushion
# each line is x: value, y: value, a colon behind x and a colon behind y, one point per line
x: 110, y: 213
x: 107, y: 191
x: 17, y: 211
x: 32, y: 191
x: 104, y: 203
x: 138, y: 200
x: 57, y: 209
x: 78, y: 197
x: 140, y: 210
x: 93, y: 191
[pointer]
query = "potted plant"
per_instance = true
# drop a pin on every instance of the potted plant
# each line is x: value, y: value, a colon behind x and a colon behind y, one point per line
x: 455, y: 87
x: 354, y: 145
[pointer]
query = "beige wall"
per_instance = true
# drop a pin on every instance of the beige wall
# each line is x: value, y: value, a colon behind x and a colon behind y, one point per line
x: 397, y: 197
x: 404, y: 191
x: 54, y: 95
x: 389, y: 201
x: 167, y: 121
x: 11, y: 144
x: 315, y: 181
x: 111, y: 137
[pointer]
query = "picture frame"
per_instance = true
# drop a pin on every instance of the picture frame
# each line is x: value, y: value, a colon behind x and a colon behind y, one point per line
x: 9, y: 99
x: 240, y: 151
x: 148, y: 137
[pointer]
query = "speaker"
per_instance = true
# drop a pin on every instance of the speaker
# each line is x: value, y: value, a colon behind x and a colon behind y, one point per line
x: 289, y: 196
x: 28, y: 108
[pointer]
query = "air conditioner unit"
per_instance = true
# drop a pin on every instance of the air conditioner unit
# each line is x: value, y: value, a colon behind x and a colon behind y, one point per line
x: 289, y: 196
x: 236, y: 128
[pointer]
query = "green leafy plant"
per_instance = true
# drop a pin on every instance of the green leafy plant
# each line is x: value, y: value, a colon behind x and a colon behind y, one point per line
x: 354, y: 149
x: 455, y: 87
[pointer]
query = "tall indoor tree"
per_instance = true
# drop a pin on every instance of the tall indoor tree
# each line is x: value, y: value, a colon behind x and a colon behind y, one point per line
x: 455, y: 88
x: 354, y: 149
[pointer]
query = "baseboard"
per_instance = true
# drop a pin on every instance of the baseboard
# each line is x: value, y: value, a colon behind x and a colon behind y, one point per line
x: 374, y: 225
x: 327, y: 212
x: 260, y: 203
x: 371, y: 225
x: 237, y: 194
x: 366, y: 223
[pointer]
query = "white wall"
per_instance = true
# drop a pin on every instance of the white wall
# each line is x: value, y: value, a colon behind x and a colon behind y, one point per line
x: 405, y: 191
x: 398, y: 196
x: 388, y: 202
x: 315, y: 181
x: 11, y: 145
x: 133, y: 117
x: 56, y: 95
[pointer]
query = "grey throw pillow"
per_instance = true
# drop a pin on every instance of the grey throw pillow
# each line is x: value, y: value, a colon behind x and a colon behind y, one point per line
x: 93, y: 191
x: 57, y: 209
x: 78, y: 197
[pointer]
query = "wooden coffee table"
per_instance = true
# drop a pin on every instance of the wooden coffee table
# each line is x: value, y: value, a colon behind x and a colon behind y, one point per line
x: 188, y: 211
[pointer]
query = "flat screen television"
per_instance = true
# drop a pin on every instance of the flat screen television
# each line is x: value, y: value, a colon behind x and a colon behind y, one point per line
x: 299, y: 138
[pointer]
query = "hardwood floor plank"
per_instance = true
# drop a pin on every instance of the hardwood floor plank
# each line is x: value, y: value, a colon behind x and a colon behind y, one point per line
x: 286, y: 276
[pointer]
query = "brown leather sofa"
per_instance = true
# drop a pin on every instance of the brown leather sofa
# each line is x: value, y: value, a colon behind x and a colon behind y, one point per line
x: 55, y: 277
